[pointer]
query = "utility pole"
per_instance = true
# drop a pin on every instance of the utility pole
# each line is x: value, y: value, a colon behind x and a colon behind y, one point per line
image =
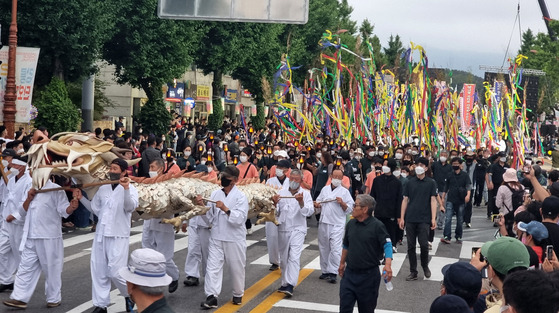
x: 11, y: 94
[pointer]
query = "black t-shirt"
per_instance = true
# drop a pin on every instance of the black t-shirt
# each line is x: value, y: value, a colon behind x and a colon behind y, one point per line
x: 364, y: 242
x: 496, y: 171
x: 419, y: 193
x: 553, y: 238
x: 440, y: 173
x: 453, y: 184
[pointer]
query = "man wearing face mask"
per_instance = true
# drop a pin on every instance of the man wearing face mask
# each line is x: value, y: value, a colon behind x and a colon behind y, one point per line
x: 481, y: 166
x: 458, y: 188
x: 292, y: 216
x: 419, y: 209
x: 399, y: 155
x: 494, y: 179
x: 13, y: 217
x: 367, y: 161
x: 348, y: 170
x: 159, y: 236
x: 376, y: 170
x: 281, y: 181
x: 281, y: 155
x: 228, y: 238
x: 335, y: 203
x: 113, y: 204
x: 357, y: 180
x: 441, y: 170
x: 469, y: 167
x: 387, y: 191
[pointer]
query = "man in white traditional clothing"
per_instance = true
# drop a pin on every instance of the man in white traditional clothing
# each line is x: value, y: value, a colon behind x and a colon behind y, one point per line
x: 227, y: 214
x: 335, y: 203
x: 199, y: 230
x: 292, y: 215
x: 41, y: 246
x: 159, y: 236
x: 280, y: 181
x: 113, y: 204
x: 13, y: 216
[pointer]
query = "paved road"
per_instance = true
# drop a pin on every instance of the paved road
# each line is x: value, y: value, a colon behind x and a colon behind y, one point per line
x: 311, y: 295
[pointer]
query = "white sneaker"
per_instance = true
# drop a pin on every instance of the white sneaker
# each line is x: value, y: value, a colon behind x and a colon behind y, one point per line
x: 249, y: 231
x: 394, y: 250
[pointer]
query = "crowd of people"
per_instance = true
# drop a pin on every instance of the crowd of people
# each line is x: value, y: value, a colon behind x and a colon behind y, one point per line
x: 365, y: 196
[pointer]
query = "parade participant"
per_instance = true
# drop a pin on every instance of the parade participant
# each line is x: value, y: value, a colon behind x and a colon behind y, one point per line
x: 419, y: 208
x: 281, y: 155
x: 170, y: 165
x: 246, y: 170
x: 282, y: 182
x: 113, y: 204
x: 469, y: 167
x: 337, y: 204
x: 479, y: 176
x: 41, y: 247
x: 457, y: 192
x: 364, y: 243
x: 292, y: 216
x: 367, y: 161
x: 441, y: 170
x: 146, y: 279
x: 198, y: 242
x: 356, y: 166
x: 13, y: 216
x: 376, y: 171
x: 323, y: 173
x: 387, y: 192
x: 228, y: 238
x: 159, y: 236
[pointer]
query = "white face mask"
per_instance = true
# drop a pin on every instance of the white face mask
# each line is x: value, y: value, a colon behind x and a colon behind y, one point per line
x: 279, y: 172
x: 409, y: 151
x: 358, y: 158
x: 152, y: 174
x: 187, y: 153
x: 396, y: 173
x: 20, y: 151
x: 276, y: 153
x: 372, y: 154
x: 404, y: 175
x: 414, y: 152
x: 14, y: 171
x: 443, y: 159
x: 294, y: 185
x: 419, y: 170
x: 210, y: 169
x: 203, y: 162
x: 243, y: 158
x: 336, y: 182
x: 503, y: 159
x: 385, y: 169
x: 319, y: 155
x: 398, y: 156
x: 5, y: 163
x: 381, y: 153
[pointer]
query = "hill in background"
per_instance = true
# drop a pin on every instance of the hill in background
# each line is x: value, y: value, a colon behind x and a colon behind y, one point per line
x: 456, y: 78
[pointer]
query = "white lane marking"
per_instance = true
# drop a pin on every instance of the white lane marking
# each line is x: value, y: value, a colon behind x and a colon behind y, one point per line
x: 314, y: 264
x: 88, y: 305
x: 75, y: 240
x: 321, y: 307
x: 436, y: 265
x: 466, y: 250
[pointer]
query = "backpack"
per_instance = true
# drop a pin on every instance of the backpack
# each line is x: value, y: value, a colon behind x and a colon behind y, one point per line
x: 517, y: 200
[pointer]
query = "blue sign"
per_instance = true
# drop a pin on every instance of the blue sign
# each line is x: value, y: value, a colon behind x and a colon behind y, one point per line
x: 190, y: 102
x: 175, y: 91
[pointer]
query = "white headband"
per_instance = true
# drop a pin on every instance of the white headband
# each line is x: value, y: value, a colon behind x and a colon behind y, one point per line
x: 18, y: 162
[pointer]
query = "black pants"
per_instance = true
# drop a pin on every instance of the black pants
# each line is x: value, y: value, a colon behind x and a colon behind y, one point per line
x: 419, y: 232
x: 248, y: 223
x: 468, y: 212
x: 480, y: 185
x: 491, y: 206
x: 391, y: 226
x: 361, y: 287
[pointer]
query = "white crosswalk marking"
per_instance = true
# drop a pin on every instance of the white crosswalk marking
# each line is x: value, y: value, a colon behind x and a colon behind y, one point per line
x: 436, y: 265
x: 466, y: 250
x: 321, y: 307
x: 264, y: 260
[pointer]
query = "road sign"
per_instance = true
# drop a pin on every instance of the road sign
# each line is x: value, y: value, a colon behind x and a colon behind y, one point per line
x: 259, y: 11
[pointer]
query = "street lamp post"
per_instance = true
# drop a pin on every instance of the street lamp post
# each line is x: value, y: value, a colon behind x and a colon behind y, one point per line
x: 11, y: 94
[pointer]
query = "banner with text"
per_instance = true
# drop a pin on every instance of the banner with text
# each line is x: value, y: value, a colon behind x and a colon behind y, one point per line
x: 26, y: 66
x: 468, y: 104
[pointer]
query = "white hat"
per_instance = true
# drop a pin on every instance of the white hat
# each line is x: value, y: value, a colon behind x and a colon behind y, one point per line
x: 359, y: 151
x: 146, y: 267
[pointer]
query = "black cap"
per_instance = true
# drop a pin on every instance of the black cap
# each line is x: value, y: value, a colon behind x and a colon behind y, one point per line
x: 449, y: 303
x: 284, y: 164
x: 550, y: 205
x: 461, y: 277
x: 9, y: 153
x: 121, y: 163
x: 201, y: 168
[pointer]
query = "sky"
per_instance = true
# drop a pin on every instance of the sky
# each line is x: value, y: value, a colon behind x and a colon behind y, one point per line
x: 457, y: 34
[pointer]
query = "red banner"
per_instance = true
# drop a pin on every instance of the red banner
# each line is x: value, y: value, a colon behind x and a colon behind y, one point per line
x: 467, y: 105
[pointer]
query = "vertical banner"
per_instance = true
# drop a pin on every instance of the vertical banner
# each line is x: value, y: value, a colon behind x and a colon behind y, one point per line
x: 26, y: 66
x: 468, y: 92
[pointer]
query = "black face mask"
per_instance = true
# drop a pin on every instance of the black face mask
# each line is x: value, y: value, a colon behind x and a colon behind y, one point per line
x: 406, y: 162
x: 469, y: 161
x: 225, y: 182
x: 456, y: 167
x: 378, y: 168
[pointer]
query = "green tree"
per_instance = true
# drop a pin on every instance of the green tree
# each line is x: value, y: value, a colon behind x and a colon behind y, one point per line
x: 70, y: 34
x: 394, y: 51
x: 55, y: 110
x: 366, y: 32
x: 148, y: 52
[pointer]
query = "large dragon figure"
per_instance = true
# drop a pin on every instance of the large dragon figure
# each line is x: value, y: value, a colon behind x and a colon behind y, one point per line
x: 87, y: 159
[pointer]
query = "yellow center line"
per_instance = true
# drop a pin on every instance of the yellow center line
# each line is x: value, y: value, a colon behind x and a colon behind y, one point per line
x: 272, y: 299
x: 251, y: 292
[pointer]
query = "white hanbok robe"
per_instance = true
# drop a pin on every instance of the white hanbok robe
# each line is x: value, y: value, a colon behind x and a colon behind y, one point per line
x: 271, y: 228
